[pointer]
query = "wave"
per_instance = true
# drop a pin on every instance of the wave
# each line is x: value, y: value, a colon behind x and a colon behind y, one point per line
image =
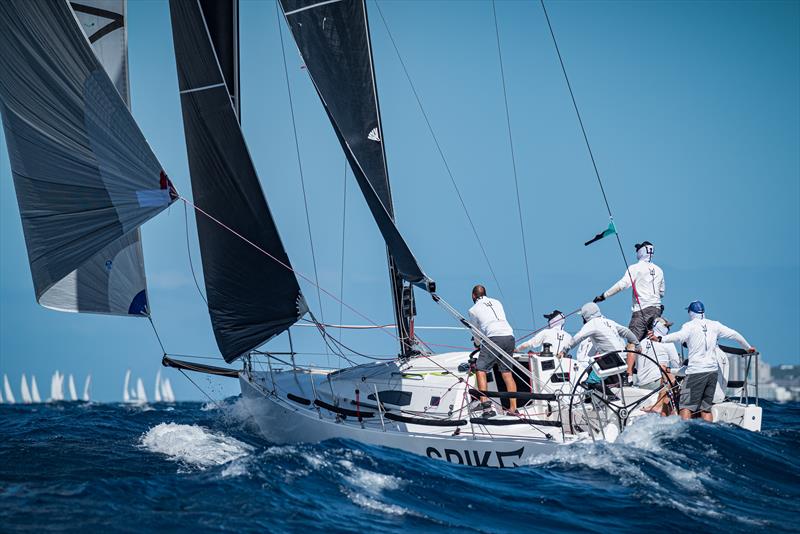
x: 193, y: 445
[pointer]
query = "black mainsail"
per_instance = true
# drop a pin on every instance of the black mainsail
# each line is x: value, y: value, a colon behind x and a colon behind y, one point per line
x: 84, y: 175
x: 222, y: 21
x: 334, y: 41
x: 251, y: 297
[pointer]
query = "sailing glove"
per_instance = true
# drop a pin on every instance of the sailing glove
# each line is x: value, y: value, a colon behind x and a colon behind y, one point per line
x: 599, y: 298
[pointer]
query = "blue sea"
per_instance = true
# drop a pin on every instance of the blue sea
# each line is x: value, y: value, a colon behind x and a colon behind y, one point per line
x: 193, y: 467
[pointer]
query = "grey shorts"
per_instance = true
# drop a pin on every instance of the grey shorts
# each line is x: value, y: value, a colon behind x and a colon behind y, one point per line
x: 642, y: 321
x: 488, y: 357
x: 697, y: 391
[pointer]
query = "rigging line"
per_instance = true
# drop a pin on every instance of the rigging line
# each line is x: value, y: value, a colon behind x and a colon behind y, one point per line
x: 189, y: 254
x: 219, y: 407
x: 153, y: 325
x: 514, y: 164
x: 586, y: 140
x: 282, y: 264
x: 439, y: 149
x: 299, y: 160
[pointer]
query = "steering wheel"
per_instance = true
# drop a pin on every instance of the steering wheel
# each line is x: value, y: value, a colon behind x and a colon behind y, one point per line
x: 602, y: 404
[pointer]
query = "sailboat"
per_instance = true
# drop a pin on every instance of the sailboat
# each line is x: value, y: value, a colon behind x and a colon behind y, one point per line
x: 24, y: 391
x: 35, y: 390
x: 56, y: 387
x: 166, y: 391
x: 157, y: 388
x: 141, y: 394
x: 86, y: 397
x: 420, y: 402
x: 7, y: 390
x: 73, y: 393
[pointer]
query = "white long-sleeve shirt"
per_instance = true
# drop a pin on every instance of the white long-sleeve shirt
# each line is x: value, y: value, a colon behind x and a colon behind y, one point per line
x: 700, y: 336
x: 648, y: 284
x: 605, y: 335
x: 664, y: 353
x: 557, y: 337
x: 488, y: 316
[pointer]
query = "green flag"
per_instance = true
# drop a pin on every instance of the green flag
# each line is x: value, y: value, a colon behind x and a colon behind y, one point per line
x: 611, y: 230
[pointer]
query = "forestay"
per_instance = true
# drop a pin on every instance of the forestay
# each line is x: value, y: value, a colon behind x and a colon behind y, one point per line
x: 333, y: 39
x: 85, y: 177
x: 251, y: 297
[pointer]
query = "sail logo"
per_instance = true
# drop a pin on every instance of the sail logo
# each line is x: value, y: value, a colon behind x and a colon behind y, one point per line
x: 373, y: 135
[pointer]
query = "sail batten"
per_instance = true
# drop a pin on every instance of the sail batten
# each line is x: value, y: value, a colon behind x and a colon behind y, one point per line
x: 251, y: 298
x: 84, y: 175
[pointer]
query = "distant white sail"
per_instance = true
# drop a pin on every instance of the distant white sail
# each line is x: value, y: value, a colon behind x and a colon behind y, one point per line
x: 126, y: 396
x: 141, y: 394
x: 157, y: 393
x: 23, y: 388
x: 35, y: 390
x: 86, y: 386
x: 73, y: 393
x: 166, y: 391
x: 7, y: 389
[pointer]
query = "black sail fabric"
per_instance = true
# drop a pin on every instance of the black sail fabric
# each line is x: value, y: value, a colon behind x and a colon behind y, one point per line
x: 84, y: 175
x: 251, y: 297
x: 222, y: 20
x: 333, y: 39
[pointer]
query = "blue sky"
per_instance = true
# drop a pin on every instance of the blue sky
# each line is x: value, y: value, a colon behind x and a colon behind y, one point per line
x: 692, y: 110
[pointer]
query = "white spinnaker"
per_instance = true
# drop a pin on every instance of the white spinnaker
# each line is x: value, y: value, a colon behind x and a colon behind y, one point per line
x: 141, y: 394
x: 126, y: 396
x: 86, y: 386
x: 24, y: 391
x: 73, y: 393
x: 35, y: 390
x: 7, y: 390
x: 157, y: 392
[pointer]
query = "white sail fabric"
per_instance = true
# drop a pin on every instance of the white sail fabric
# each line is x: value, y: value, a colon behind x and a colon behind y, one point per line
x: 24, y: 391
x: 7, y: 390
x: 86, y: 386
x: 84, y: 175
x: 73, y: 393
x: 157, y: 392
x: 166, y: 391
x: 126, y: 396
x: 35, y: 390
x: 141, y: 394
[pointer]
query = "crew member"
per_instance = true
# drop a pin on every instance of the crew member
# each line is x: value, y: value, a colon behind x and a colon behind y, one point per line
x: 652, y: 371
x: 554, y: 334
x: 489, y: 318
x: 606, y: 335
x: 647, y: 280
x: 700, y: 336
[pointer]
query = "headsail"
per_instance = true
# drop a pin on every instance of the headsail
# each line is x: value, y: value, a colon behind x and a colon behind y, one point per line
x: 85, y: 176
x: 251, y: 297
x: 333, y: 39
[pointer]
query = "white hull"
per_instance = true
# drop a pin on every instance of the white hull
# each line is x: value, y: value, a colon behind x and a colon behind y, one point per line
x: 283, y: 423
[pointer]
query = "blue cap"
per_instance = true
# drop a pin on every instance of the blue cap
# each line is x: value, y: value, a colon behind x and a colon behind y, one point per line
x: 696, y: 307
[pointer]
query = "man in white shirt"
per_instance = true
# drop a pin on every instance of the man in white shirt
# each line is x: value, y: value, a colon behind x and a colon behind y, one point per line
x: 554, y: 335
x: 662, y: 357
x: 647, y: 280
x: 700, y: 336
x: 489, y: 318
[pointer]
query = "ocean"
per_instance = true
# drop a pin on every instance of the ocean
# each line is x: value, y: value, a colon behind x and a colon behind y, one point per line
x: 194, y: 467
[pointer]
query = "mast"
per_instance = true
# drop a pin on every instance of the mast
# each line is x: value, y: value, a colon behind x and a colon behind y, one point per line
x: 333, y: 39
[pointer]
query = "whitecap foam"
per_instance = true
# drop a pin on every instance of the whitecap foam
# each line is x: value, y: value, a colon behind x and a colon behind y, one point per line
x: 365, y: 488
x: 193, y: 445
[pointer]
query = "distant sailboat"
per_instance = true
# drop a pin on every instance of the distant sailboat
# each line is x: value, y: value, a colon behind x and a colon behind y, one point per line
x: 35, y: 390
x: 166, y: 391
x: 157, y: 393
x: 7, y: 390
x: 73, y: 393
x: 141, y: 394
x: 86, y: 386
x: 56, y: 387
x: 126, y: 395
x: 26, y: 393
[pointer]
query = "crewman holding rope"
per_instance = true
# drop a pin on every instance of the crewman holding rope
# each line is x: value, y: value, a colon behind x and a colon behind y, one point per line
x: 554, y: 334
x: 647, y: 280
x: 489, y: 318
x: 700, y: 336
